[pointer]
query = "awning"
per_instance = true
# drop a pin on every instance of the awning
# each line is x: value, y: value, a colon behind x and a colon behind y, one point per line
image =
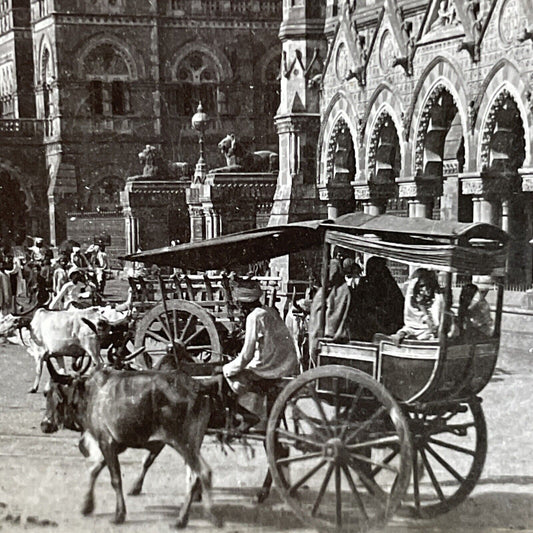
x: 242, y: 248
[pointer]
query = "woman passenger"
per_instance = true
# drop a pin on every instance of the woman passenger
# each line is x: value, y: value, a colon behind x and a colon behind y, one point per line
x: 423, y: 309
x: 474, y: 316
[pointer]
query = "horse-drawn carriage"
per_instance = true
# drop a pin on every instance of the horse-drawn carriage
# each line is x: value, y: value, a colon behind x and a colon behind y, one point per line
x: 375, y: 424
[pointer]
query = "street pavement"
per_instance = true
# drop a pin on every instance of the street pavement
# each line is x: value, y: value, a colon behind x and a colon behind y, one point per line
x: 43, y: 477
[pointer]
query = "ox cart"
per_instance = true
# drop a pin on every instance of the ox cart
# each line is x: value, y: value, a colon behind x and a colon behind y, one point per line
x: 375, y: 426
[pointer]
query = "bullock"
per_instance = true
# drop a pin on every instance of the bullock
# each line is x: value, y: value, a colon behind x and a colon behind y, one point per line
x: 117, y: 410
x: 62, y: 333
x: 71, y: 332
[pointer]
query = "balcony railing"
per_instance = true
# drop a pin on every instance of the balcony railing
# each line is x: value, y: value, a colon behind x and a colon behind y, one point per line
x: 245, y: 8
x: 21, y: 127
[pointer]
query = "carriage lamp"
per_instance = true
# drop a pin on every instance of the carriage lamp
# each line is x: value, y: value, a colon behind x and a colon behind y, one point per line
x: 200, y: 122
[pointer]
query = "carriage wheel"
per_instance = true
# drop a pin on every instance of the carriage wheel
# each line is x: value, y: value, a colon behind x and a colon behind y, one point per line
x: 187, y: 323
x: 450, y: 446
x: 339, y: 449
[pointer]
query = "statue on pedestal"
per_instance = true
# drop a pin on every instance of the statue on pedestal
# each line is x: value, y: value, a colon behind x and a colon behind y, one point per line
x: 238, y: 159
x: 155, y: 167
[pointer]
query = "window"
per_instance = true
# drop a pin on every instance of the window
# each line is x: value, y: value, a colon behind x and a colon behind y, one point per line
x: 197, y: 81
x: 271, y: 87
x: 108, y: 73
x: 96, y: 97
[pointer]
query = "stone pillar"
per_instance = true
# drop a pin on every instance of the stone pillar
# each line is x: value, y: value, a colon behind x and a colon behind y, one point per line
x: 505, y: 215
x: 333, y: 211
x: 372, y: 208
x: 419, y: 208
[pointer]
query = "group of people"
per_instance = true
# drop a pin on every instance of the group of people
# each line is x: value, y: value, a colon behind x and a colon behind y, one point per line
x: 371, y: 307
x: 34, y: 274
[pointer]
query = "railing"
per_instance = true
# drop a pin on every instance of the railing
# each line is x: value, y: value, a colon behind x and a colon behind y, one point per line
x: 21, y: 127
x: 245, y: 8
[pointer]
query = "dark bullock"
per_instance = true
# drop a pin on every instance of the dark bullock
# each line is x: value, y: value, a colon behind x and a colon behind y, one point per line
x: 116, y: 410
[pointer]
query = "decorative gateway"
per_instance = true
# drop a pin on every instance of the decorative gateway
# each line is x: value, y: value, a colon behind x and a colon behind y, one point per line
x: 344, y: 439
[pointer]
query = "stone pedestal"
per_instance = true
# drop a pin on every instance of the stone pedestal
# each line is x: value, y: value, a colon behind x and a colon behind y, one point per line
x: 156, y: 213
x: 228, y: 202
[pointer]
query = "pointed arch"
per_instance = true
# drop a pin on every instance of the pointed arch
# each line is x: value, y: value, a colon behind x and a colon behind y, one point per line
x: 504, y: 76
x: 339, y: 108
x: 442, y: 71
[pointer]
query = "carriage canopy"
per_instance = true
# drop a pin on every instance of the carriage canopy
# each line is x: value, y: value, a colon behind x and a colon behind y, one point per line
x: 476, y: 248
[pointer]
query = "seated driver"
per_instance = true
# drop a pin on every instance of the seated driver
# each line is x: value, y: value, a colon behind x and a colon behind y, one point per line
x: 268, y: 351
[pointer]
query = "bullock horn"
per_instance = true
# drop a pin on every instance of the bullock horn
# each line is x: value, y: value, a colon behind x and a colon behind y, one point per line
x: 90, y: 324
x: 79, y: 366
x: 56, y: 377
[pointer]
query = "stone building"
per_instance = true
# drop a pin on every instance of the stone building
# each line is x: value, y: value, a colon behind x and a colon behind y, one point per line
x: 419, y: 108
x: 86, y: 84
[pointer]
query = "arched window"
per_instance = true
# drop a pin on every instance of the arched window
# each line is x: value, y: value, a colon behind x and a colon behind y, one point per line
x: 6, y: 91
x: 271, y: 87
x: 198, y: 80
x: 108, y: 74
x: 46, y: 80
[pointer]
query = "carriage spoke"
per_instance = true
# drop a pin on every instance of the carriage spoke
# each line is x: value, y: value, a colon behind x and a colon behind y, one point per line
x: 432, y: 476
x: 370, y: 461
x: 451, y: 446
x: 373, y: 488
x: 416, y: 488
x: 194, y: 335
x: 185, y: 330
x: 355, y: 492
x: 338, y: 496
x: 322, y: 489
x: 163, y: 319
x: 298, y: 438
x: 384, y: 441
x: 320, y: 408
x: 313, y: 422
x: 294, y: 459
x: 156, y: 336
x: 387, y: 460
x: 445, y: 464
x: 295, y: 486
x: 337, y: 407
x: 351, y: 411
x: 365, y: 424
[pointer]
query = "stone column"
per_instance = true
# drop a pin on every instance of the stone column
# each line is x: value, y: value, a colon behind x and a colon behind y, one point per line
x: 505, y: 215
x: 373, y: 208
x: 333, y: 211
x: 419, y: 208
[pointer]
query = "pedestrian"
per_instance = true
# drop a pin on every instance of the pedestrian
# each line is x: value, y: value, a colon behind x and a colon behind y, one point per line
x: 60, y: 276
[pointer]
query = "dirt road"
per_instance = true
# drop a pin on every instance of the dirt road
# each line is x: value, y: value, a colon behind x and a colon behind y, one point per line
x: 43, y: 477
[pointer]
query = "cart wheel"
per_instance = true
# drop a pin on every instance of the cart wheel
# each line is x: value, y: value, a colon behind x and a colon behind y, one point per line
x: 187, y: 323
x: 451, y: 446
x: 339, y: 449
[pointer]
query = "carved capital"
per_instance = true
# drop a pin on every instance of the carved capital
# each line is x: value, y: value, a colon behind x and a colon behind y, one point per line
x: 420, y: 188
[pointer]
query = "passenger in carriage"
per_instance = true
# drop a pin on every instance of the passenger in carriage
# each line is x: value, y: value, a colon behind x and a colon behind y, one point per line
x: 268, y: 352
x: 423, y: 309
x: 337, y: 308
x: 380, y: 301
x: 473, y: 317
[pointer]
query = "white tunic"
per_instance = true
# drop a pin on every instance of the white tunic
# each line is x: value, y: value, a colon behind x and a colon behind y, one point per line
x: 268, y: 349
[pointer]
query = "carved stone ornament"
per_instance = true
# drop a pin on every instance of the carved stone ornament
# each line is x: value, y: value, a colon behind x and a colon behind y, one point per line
x: 509, y: 24
x: 361, y: 192
x: 421, y: 188
x: 527, y: 183
x: 340, y: 127
x: 341, y: 63
x: 383, y: 120
x: 387, y: 51
x: 423, y: 126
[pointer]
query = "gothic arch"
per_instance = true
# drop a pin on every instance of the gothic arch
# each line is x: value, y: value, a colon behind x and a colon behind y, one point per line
x: 383, y: 157
x: 441, y: 71
x: 384, y: 100
x: 265, y: 64
x: 219, y: 59
x: 44, y: 46
x: 505, y: 77
x: 440, y: 134
x: 503, y: 141
x: 339, y: 107
x: 123, y: 49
